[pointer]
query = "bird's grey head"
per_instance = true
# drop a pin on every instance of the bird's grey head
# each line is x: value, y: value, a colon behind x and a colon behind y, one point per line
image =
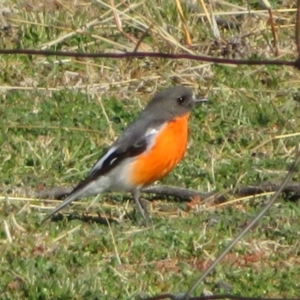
x: 172, y: 102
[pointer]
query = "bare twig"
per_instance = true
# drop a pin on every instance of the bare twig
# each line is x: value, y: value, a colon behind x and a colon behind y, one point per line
x: 297, y: 28
x: 291, y: 190
x: 244, y: 231
x: 188, y: 39
x: 153, y: 55
x: 275, y: 42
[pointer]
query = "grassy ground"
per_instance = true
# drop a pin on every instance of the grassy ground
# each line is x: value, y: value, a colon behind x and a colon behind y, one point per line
x: 57, y: 114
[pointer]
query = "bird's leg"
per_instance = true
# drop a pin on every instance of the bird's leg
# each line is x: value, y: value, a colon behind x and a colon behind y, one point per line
x: 142, y: 209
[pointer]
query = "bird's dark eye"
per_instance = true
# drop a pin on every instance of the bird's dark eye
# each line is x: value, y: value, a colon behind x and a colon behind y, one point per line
x: 181, y: 100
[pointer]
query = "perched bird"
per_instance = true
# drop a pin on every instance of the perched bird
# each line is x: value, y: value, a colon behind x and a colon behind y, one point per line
x: 147, y: 150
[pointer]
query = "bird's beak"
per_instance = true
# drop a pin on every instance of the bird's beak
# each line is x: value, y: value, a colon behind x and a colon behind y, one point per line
x: 200, y: 100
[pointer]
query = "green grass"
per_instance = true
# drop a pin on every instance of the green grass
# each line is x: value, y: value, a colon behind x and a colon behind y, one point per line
x: 57, y: 115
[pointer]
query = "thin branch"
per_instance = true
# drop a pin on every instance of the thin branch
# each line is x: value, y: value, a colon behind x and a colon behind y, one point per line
x: 297, y: 28
x: 244, y: 231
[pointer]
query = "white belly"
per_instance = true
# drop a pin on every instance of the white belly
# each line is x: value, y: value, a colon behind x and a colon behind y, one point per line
x: 117, y: 180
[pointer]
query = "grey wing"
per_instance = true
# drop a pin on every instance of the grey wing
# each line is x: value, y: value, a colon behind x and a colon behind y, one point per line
x: 134, y: 140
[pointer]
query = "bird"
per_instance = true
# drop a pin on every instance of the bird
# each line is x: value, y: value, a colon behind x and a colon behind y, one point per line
x: 147, y: 150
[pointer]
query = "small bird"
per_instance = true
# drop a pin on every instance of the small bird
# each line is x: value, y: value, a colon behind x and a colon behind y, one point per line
x: 147, y: 150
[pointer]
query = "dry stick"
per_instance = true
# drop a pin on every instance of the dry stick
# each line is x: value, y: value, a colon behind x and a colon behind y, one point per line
x: 273, y: 32
x: 215, y: 28
x: 248, y: 12
x: 188, y: 39
x: 292, y: 188
x: 119, y: 25
x: 142, y: 38
x: 297, y: 29
x: 127, y: 55
x: 215, y: 297
x: 207, y: 15
x: 213, y: 199
x: 244, y: 231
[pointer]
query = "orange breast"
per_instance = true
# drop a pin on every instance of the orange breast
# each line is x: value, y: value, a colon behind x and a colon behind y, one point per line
x: 168, y: 149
